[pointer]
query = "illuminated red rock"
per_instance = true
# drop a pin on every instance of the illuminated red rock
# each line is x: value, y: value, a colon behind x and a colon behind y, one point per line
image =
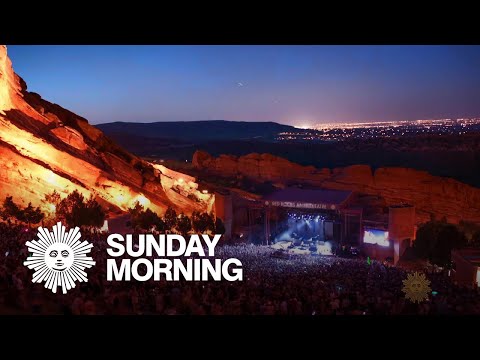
x: 44, y: 147
x: 9, y: 83
x: 431, y: 195
x: 70, y: 136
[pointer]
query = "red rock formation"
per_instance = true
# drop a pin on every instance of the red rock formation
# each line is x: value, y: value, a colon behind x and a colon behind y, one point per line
x: 44, y: 147
x: 9, y: 82
x: 442, y: 197
x: 70, y: 137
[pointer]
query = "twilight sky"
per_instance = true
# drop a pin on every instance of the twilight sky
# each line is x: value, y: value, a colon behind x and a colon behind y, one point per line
x: 296, y: 85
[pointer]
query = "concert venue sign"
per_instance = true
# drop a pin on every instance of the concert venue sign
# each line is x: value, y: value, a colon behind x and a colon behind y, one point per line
x: 300, y: 205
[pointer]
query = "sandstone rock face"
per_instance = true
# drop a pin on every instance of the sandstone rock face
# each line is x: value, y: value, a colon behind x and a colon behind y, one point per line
x: 9, y: 82
x: 431, y: 195
x: 201, y: 159
x: 70, y: 136
x: 92, y: 132
x: 44, y: 147
x: 123, y: 169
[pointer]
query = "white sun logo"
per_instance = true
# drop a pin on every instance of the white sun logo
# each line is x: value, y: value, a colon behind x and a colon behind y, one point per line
x: 59, y: 258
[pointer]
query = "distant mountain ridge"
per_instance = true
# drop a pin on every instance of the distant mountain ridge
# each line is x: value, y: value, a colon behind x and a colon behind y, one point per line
x: 199, y: 130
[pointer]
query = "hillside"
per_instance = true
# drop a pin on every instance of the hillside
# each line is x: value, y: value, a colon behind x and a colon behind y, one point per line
x: 197, y: 131
x: 44, y: 147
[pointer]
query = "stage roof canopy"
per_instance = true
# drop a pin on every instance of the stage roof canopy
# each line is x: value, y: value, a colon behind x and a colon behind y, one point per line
x: 302, y: 198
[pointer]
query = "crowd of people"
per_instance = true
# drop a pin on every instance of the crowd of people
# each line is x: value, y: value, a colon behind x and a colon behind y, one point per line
x: 301, y: 285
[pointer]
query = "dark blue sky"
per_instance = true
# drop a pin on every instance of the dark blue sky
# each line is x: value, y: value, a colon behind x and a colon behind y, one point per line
x: 288, y: 84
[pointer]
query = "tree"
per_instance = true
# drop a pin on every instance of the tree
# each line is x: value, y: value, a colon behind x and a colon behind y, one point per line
x: 219, y: 226
x: 135, y: 213
x: 75, y: 211
x: 94, y: 214
x: 53, y: 198
x: 170, y: 218
x: 159, y: 224
x: 136, y: 210
x: 148, y: 219
x: 184, y: 225
x: 436, y: 239
x: 425, y: 238
x: 145, y: 219
x: 210, y: 221
x: 10, y: 209
x: 202, y: 222
x: 475, y: 242
x: 70, y: 210
x: 31, y: 215
x: 198, y: 222
x: 50, y: 205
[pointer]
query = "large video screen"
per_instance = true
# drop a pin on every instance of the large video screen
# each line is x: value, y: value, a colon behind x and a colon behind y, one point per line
x: 375, y: 236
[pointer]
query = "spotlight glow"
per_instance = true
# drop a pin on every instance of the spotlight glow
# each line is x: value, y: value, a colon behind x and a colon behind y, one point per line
x: 143, y: 200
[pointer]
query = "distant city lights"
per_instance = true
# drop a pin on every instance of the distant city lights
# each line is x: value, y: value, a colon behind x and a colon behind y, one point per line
x: 305, y: 127
x: 371, y: 130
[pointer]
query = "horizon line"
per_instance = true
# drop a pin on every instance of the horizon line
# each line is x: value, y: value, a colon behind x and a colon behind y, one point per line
x: 353, y: 122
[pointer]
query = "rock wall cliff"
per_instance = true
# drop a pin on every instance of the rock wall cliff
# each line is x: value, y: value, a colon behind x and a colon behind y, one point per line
x: 431, y: 195
x: 44, y: 147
